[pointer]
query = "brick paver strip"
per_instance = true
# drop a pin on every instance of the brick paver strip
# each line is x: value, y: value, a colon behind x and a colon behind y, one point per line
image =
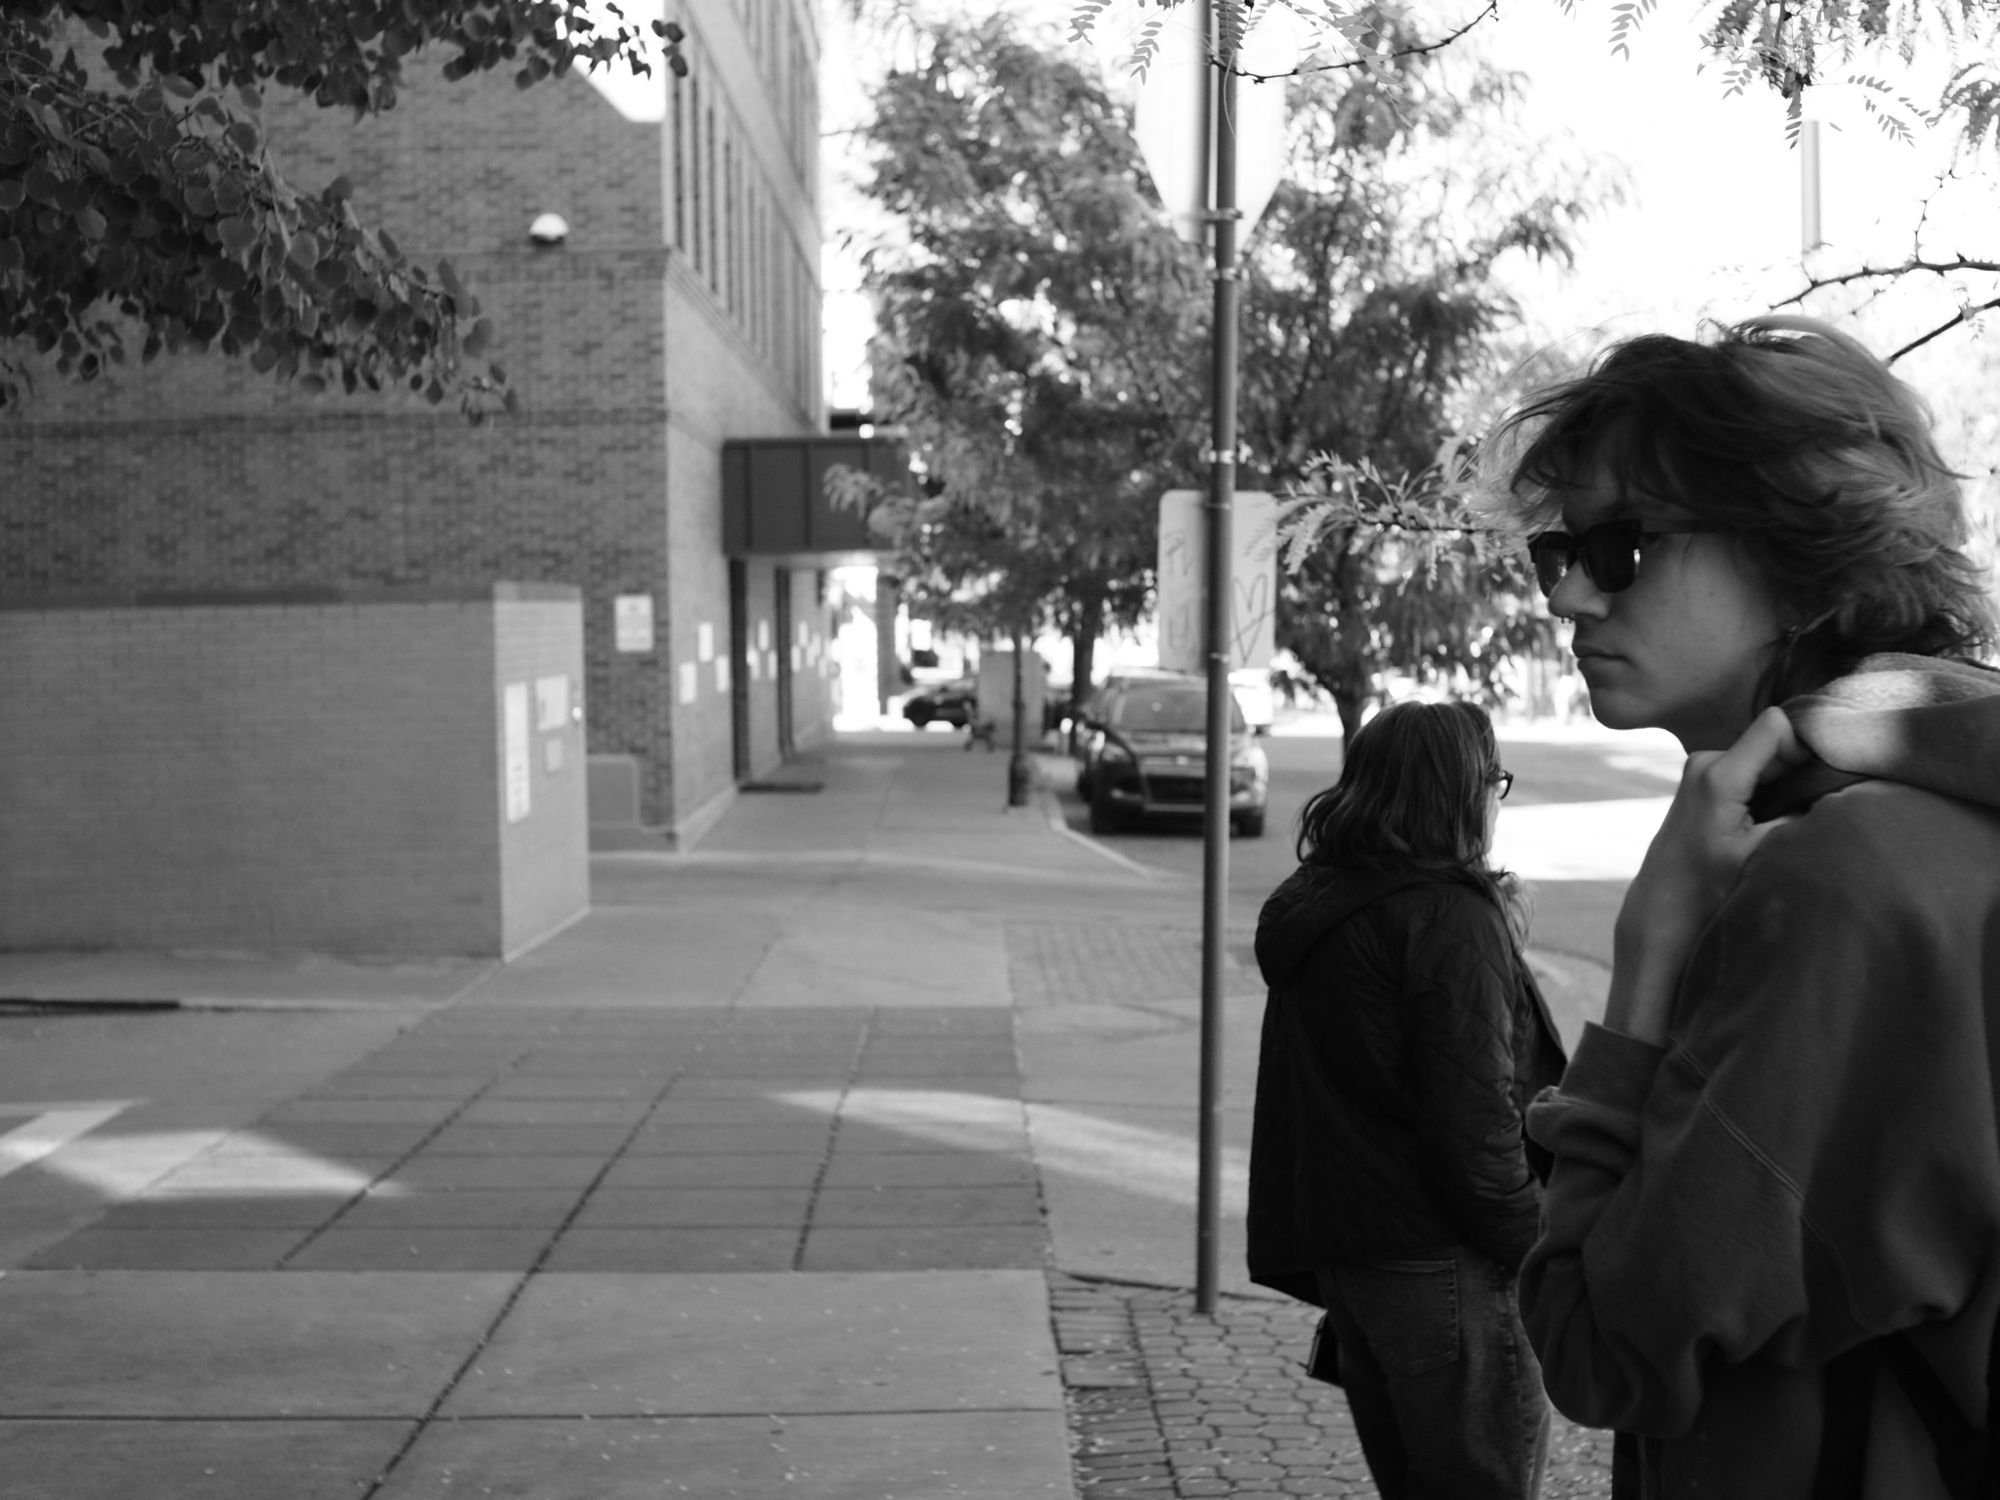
x: 1167, y: 1403
x: 1050, y: 963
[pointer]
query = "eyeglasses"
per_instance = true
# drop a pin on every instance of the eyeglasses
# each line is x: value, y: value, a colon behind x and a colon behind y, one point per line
x: 1504, y: 780
x: 1609, y: 551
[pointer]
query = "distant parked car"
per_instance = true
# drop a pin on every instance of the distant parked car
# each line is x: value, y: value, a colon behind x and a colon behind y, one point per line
x: 1092, y: 705
x: 953, y: 703
x: 1146, y: 756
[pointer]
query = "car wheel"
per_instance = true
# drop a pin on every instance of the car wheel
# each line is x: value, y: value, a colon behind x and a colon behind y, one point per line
x: 1102, y: 817
x: 919, y: 714
x: 1251, y: 824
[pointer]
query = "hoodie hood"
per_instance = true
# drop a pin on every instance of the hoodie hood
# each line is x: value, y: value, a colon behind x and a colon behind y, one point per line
x: 1924, y: 721
x: 1313, y: 901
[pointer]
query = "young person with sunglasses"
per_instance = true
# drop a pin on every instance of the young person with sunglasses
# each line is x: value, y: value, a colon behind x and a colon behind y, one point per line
x: 1770, y: 1254
x: 1403, y: 1036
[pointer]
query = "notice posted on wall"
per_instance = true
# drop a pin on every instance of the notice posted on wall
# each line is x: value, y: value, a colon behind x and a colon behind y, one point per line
x: 552, y: 703
x: 514, y: 721
x: 632, y: 622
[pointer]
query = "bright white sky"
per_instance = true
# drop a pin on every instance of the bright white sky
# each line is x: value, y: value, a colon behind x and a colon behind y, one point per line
x: 1712, y: 221
x: 1711, y: 225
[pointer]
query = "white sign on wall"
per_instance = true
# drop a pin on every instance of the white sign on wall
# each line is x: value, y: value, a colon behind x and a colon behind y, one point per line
x: 632, y: 622
x: 704, y: 641
x: 1253, y: 591
x: 690, y: 681
x: 514, y: 716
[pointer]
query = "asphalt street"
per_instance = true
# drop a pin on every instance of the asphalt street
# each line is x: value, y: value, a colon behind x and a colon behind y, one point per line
x: 1585, y: 803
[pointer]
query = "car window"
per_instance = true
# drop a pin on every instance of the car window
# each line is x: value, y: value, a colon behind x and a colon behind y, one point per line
x: 1174, y: 709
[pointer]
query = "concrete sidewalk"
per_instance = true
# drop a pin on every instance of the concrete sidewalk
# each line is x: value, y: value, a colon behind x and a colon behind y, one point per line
x: 847, y: 1155
x: 725, y: 1190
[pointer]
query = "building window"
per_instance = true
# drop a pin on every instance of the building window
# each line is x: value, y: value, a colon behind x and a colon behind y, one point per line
x: 698, y: 194
x: 708, y: 177
x: 732, y: 203
x: 680, y: 87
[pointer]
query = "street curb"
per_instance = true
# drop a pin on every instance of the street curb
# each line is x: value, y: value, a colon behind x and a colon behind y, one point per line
x: 1052, y: 809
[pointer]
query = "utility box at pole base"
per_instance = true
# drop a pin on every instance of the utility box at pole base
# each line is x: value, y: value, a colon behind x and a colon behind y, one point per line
x: 996, y: 694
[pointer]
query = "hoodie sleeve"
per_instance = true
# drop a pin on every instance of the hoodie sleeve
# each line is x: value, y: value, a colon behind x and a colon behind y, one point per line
x: 1810, y: 1160
x: 1460, y: 996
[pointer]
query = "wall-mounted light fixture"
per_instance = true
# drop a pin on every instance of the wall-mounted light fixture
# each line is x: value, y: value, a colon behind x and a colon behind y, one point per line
x: 548, y: 231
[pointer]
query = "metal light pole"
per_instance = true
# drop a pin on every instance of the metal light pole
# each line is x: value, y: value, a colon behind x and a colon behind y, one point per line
x: 1810, y: 238
x: 1215, y: 636
x: 1189, y: 123
x: 1019, y: 776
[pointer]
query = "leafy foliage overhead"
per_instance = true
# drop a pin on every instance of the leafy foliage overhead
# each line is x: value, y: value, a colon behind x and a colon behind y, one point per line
x: 1377, y: 333
x: 1035, y: 327
x: 1791, y: 47
x: 138, y: 203
x: 1044, y: 345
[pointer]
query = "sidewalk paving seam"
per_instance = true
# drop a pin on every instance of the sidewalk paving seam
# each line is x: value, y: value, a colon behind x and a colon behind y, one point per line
x: 527, y: 1277
x: 417, y: 1147
x: 832, y: 1140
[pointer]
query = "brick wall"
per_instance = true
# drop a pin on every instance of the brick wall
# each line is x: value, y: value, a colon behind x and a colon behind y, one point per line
x: 195, y: 473
x: 283, y: 773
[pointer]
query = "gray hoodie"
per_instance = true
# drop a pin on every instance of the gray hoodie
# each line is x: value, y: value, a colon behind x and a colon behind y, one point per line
x: 1813, y: 1160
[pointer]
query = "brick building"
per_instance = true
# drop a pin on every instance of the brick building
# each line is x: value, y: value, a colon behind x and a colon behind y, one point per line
x: 675, y: 316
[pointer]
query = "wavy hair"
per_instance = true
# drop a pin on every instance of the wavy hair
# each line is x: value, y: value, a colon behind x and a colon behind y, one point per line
x: 1414, y: 787
x: 1793, y: 435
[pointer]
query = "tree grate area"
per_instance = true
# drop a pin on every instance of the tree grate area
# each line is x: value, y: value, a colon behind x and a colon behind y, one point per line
x: 1165, y: 1402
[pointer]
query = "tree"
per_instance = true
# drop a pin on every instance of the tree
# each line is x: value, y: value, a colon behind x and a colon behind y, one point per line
x: 1375, y: 332
x: 138, y: 203
x: 1035, y: 330
x: 1921, y: 64
x: 1791, y: 47
x: 1933, y: 64
x: 1044, y: 344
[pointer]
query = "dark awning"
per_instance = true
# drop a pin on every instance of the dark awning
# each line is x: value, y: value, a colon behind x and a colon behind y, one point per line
x: 774, y: 501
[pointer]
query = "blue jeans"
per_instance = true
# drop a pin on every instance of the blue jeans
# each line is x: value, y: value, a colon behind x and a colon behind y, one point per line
x: 1445, y: 1391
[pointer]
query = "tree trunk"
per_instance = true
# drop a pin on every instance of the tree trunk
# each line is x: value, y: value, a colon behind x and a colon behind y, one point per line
x: 1348, y: 704
x: 1083, y: 655
x: 1350, y: 687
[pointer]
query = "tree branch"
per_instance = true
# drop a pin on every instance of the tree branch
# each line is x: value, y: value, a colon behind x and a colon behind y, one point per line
x: 1965, y: 315
x: 1491, y: 11
x: 1882, y: 276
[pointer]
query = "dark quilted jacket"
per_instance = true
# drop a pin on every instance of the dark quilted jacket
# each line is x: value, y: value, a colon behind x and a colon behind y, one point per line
x: 1403, y: 1037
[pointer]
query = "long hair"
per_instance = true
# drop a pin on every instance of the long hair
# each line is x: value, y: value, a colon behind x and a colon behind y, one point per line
x: 1792, y: 435
x: 1414, y: 787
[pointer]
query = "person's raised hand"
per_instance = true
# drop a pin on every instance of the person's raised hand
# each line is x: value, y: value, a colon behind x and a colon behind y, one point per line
x: 1689, y: 868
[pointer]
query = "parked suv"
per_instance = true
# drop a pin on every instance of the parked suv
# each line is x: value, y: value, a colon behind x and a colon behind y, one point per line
x: 1146, y: 755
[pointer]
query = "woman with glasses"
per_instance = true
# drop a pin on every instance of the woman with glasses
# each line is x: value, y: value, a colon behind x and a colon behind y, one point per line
x: 1771, y: 1251
x: 1403, y: 1036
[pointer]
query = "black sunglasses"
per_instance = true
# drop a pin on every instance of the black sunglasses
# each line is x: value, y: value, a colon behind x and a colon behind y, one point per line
x: 1504, y: 780
x: 1609, y: 551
